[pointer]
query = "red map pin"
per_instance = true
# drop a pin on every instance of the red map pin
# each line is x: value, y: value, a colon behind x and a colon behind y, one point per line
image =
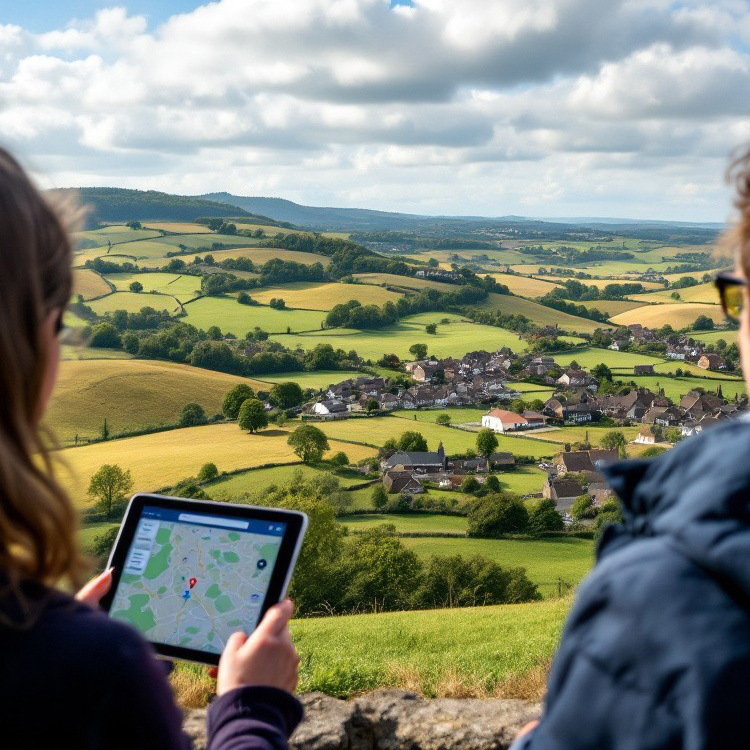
x: 193, y: 581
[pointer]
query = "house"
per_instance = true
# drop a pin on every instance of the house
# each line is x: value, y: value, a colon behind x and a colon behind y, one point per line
x: 423, y: 461
x: 387, y: 401
x: 584, y: 461
x: 574, y: 378
x: 618, y: 345
x: 500, y: 420
x: 643, y: 370
x: 423, y: 373
x: 470, y: 466
x: 502, y: 460
x: 330, y: 409
x: 645, y: 436
x: 401, y: 482
x: 711, y: 362
x: 563, y: 490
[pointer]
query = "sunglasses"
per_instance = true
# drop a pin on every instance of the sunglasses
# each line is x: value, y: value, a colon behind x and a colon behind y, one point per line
x: 731, y: 295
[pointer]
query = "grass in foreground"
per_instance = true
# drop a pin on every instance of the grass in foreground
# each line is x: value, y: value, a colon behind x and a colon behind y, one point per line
x: 500, y: 651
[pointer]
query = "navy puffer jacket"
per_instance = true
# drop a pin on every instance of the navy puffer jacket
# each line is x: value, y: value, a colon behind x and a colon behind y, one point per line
x: 656, y: 650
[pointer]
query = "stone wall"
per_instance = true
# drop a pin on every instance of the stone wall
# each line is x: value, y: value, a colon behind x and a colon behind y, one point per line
x: 396, y: 720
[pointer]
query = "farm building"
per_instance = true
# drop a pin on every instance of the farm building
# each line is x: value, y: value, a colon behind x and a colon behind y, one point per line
x: 643, y: 370
x: 330, y: 409
x: 500, y: 420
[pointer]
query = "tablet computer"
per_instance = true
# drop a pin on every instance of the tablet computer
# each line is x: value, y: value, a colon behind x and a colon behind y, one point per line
x: 189, y: 573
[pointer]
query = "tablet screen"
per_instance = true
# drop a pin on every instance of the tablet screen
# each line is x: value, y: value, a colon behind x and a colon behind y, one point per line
x: 191, y: 579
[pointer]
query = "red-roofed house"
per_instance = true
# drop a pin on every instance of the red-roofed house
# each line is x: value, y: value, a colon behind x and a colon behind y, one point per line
x: 500, y: 420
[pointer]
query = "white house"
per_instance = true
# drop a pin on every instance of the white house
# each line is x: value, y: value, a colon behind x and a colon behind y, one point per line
x: 500, y: 420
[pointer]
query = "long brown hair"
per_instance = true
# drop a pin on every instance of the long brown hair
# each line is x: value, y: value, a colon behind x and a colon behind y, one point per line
x: 737, y: 239
x: 37, y: 520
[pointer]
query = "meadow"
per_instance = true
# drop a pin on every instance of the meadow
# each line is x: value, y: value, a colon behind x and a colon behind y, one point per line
x: 131, y: 395
x: 452, y: 339
x: 610, y: 306
x: 617, y: 361
x: 539, y: 314
x: 705, y: 293
x: 115, y: 233
x: 238, y: 319
x: 314, y: 296
x: 579, y: 433
x: 711, y: 337
x: 406, y: 282
x: 179, y: 227
x: 676, y: 388
x: 546, y: 561
x: 162, y: 459
x: 409, y: 523
x: 133, y: 302
x: 316, y: 380
x: 180, y: 286
x: 89, y: 284
x: 258, y: 255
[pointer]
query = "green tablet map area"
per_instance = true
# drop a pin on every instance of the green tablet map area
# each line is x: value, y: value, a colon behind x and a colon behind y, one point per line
x: 193, y: 585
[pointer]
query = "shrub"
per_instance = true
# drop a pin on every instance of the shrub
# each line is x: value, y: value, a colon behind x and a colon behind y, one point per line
x: 583, y: 507
x: 105, y: 335
x: 208, y: 471
x: 496, y: 515
x: 192, y: 415
x: 544, y: 517
x: 469, y: 485
x: 379, y: 497
x: 444, y: 419
x: 136, y: 286
x: 492, y: 483
x: 340, y: 459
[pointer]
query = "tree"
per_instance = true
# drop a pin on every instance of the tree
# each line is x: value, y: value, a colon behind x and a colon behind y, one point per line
x: 602, y: 372
x: 136, y: 286
x: 286, y: 395
x: 234, y: 399
x: 252, y: 415
x: 379, y: 497
x: 412, y: 441
x: 105, y: 335
x: 486, y: 442
x: 214, y: 333
x: 518, y: 405
x: 309, y: 443
x: 583, y: 507
x: 469, y: 485
x: 492, y: 483
x: 444, y: 419
x: 431, y: 328
x: 418, y: 350
x: 544, y: 517
x: 207, y: 471
x: 340, y: 459
x: 703, y: 323
x: 615, y: 440
x: 673, y: 434
x: 102, y: 545
x: 372, y: 405
x: 105, y: 429
x: 131, y: 343
x: 495, y: 515
x: 110, y: 487
x: 192, y: 414
x: 574, y: 365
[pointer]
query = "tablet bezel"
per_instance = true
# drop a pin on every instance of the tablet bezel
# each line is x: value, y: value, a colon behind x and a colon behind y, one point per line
x: 296, y: 524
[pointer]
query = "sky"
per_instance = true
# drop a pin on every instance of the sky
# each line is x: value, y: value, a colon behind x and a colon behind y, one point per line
x: 623, y: 108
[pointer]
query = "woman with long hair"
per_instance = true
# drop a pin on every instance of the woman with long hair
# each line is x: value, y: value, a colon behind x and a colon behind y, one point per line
x: 71, y: 677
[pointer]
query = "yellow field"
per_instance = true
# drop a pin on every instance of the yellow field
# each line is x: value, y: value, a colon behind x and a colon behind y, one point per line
x: 405, y: 282
x: 162, y: 459
x: 307, y: 295
x: 89, y: 284
x: 611, y: 306
x: 256, y: 254
x: 183, y: 227
x: 132, y: 394
x: 601, y: 283
x: 269, y: 230
x: 697, y: 274
x: 678, y: 315
x: 524, y: 286
x: 702, y: 293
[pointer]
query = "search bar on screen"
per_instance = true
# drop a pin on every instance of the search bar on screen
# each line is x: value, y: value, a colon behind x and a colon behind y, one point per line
x: 229, y: 523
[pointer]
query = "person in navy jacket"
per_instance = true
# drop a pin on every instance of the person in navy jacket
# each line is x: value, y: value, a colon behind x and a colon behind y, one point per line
x: 71, y: 677
x: 656, y: 650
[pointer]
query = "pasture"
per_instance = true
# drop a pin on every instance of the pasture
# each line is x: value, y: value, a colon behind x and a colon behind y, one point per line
x: 617, y: 361
x: 676, y: 388
x: 705, y: 293
x: 578, y: 433
x: 610, y: 306
x: 179, y: 227
x: 453, y: 339
x: 524, y: 286
x: 601, y: 283
x: 133, y: 302
x: 181, y: 287
x: 712, y: 337
x: 115, y: 233
x: 257, y: 255
x: 677, y: 314
x: 131, y: 394
x: 422, y: 523
x: 89, y: 284
x: 545, y: 560
x: 406, y: 282
x: 164, y: 458
x: 539, y: 314
x: 315, y: 380
x: 238, y: 319
x: 307, y: 295
x: 376, y: 430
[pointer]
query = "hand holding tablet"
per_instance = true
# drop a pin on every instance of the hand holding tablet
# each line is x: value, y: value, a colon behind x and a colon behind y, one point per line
x: 189, y: 573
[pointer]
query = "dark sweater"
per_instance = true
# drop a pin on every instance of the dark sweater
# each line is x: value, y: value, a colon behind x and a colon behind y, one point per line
x: 77, y: 679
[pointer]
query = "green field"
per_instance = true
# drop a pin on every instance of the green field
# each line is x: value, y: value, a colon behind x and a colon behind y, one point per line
x: 133, y: 302
x: 232, y: 317
x: 592, y: 356
x: 259, y: 480
x: 546, y: 560
x: 676, y: 388
x: 69, y: 351
x: 258, y: 255
x: 317, y: 380
x: 424, y: 523
x: 307, y: 295
x: 705, y: 293
x: 578, y: 433
x: 451, y: 652
x: 376, y: 430
x: 182, y: 287
x: 711, y: 337
x: 115, y: 233
x: 454, y: 339
x: 131, y: 395
x: 403, y: 282
x: 539, y: 314
x: 458, y: 415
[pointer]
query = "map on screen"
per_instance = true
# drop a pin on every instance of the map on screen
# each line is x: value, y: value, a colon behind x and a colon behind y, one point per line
x: 192, y: 579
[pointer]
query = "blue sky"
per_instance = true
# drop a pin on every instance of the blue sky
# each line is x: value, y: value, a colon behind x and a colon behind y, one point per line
x: 492, y: 107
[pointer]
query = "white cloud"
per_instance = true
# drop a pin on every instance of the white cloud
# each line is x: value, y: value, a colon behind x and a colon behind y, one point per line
x: 466, y: 106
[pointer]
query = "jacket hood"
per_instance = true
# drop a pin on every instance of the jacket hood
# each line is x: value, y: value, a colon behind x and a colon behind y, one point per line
x: 697, y: 495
